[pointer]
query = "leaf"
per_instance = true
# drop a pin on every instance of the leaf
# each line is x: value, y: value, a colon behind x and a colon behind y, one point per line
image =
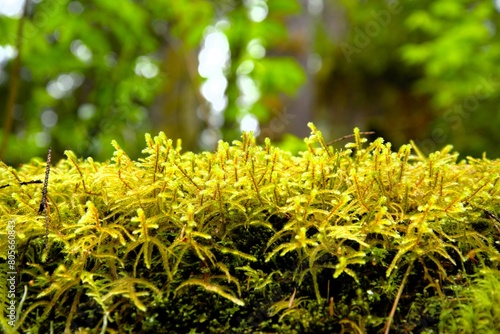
x: 236, y: 252
x: 212, y: 288
x: 279, y: 75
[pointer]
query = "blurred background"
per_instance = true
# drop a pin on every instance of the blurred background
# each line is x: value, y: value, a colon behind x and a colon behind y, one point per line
x: 77, y: 74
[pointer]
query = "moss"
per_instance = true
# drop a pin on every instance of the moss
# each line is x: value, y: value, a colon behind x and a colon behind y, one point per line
x: 476, y: 308
x: 251, y: 238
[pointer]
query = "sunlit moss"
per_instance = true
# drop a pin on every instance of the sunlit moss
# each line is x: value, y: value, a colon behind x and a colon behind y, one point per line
x: 326, y: 240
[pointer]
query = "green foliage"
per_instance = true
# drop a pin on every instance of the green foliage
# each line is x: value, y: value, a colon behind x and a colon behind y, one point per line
x: 476, y: 308
x: 98, y: 81
x: 318, y: 241
x: 422, y: 70
x: 456, y: 46
x: 459, y: 49
x: 404, y: 54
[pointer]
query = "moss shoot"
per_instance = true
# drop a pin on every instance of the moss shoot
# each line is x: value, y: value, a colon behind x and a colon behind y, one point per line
x: 251, y: 238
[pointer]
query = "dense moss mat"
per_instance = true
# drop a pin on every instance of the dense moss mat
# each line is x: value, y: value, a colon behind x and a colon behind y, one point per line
x: 250, y: 238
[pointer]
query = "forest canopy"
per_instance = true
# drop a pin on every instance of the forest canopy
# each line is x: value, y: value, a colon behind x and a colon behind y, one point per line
x: 76, y: 75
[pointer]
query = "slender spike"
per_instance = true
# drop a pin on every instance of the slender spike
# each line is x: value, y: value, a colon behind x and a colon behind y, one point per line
x: 349, y: 136
x: 292, y: 298
x: 43, y: 204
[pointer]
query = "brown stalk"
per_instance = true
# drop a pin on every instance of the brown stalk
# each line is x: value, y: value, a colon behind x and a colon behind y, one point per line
x: 387, y: 326
x: 15, y: 76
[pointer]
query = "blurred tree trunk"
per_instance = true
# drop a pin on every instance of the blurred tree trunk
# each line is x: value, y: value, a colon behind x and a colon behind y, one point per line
x: 290, y: 114
x: 352, y: 93
x: 299, y: 109
x: 176, y: 111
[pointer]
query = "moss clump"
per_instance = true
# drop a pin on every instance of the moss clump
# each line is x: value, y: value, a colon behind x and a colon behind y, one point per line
x: 250, y: 238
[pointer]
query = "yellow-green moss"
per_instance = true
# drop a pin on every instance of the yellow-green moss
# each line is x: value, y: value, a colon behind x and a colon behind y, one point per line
x: 248, y: 237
